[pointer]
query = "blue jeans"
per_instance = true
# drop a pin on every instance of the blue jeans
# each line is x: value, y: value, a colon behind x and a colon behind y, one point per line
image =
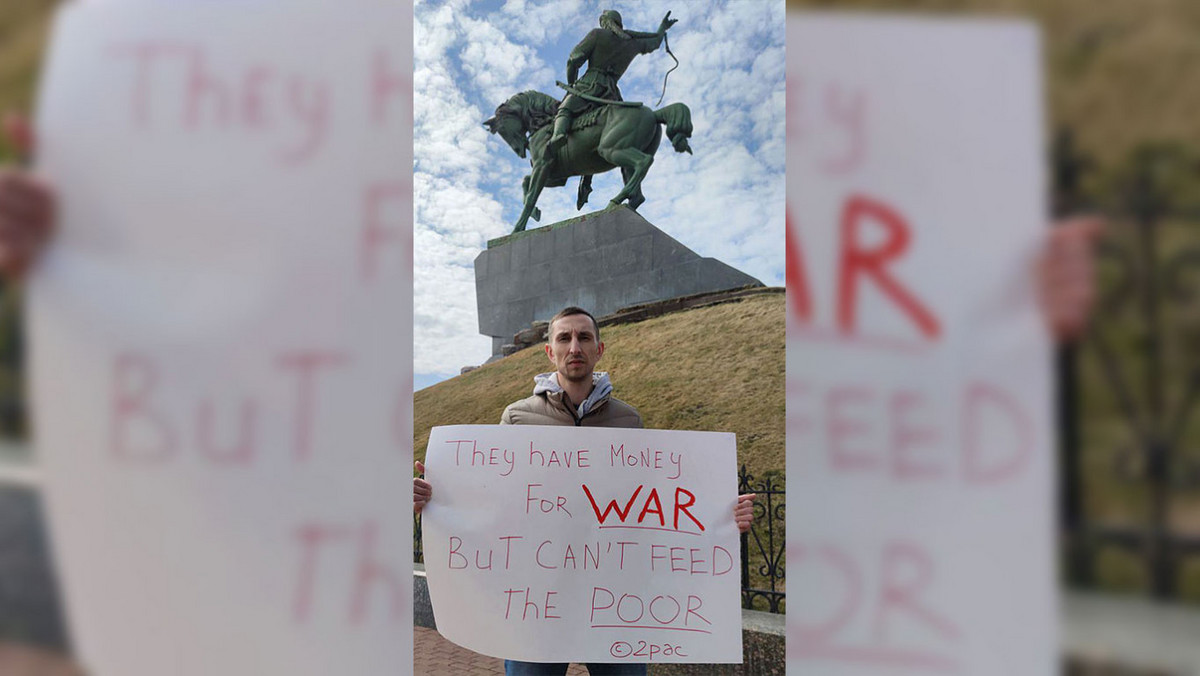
x: 515, y: 668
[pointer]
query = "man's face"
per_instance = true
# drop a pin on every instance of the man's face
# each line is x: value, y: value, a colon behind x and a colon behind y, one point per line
x: 573, y: 347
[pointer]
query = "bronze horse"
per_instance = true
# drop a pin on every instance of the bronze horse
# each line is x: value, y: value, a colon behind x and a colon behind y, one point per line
x: 624, y: 136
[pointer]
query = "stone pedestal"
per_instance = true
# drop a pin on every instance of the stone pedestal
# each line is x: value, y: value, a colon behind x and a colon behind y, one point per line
x: 602, y: 262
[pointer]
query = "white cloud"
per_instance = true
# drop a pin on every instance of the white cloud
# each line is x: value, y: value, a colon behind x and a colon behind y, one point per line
x: 726, y: 201
x: 538, y: 22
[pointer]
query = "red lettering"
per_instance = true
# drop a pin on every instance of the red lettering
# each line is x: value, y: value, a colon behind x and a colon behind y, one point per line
x: 372, y: 573
x: 976, y: 469
x: 134, y: 378
x: 728, y: 560
x: 823, y: 632
x: 905, y: 573
x: 857, y: 261
x: 310, y: 103
x: 379, y: 230
x: 388, y: 84
x: 311, y: 536
x: 455, y: 545
x: 537, y: 556
x: 846, y: 110
x: 612, y: 506
x: 677, y: 558
x: 839, y: 428
x: 257, y: 78
x: 906, y: 437
x: 653, y: 497
x: 202, y: 89
x: 611, y: 600
x: 306, y: 364
x: 146, y: 54
x: 508, y: 540
x: 509, y: 593
x: 641, y: 608
x: 621, y: 558
x: 798, y: 292
x: 672, y: 599
x: 681, y: 506
x: 693, y: 605
x: 241, y: 452
x: 900, y: 593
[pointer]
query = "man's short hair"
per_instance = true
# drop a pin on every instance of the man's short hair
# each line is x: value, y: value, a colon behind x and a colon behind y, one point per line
x: 572, y: 310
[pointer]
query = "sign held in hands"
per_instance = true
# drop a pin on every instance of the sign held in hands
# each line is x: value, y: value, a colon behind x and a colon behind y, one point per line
x: 560, y: 544
x: 221, y: 335
x: 920, y: 467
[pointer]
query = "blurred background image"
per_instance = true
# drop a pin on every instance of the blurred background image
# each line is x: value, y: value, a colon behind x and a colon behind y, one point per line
x: 1121, y: 88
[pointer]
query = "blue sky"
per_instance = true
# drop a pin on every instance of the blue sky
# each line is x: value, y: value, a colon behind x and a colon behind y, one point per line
x: 725, y: 201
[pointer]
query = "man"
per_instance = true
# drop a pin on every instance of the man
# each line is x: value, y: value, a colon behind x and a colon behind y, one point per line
x: 573, y: 346
x: 608, y: 51
x: 574, y: 393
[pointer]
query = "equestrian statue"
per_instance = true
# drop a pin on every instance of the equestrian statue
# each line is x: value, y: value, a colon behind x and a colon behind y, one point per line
x: 592, y: 130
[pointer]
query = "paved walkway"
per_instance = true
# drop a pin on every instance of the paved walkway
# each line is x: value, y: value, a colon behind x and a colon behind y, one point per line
x: 434, y: 655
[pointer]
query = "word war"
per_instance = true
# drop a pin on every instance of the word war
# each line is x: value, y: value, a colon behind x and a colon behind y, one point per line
x: 683, y: 499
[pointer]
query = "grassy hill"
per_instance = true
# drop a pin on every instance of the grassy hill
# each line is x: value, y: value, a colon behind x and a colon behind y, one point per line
x: 717, y: 368
x: 23, y: 28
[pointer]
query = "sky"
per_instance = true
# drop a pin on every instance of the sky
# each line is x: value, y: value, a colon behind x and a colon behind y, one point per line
x: 725, y: 201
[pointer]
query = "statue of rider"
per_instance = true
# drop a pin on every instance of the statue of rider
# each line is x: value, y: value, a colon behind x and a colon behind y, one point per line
x: 608, y: 51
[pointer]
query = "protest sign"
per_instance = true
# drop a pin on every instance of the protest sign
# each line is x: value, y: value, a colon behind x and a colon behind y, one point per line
x: 557, y: 544
x: 221, y: 336
x: 920, y: 469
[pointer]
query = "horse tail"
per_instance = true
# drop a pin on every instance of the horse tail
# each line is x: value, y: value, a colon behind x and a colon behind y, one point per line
x: 678, y: 119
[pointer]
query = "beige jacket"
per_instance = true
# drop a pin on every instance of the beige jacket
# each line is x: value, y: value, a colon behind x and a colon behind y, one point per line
x: 548, y: 407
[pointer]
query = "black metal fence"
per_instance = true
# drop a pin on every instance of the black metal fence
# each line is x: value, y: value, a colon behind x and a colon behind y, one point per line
x: 1129, y: 437
x: 762, y: 548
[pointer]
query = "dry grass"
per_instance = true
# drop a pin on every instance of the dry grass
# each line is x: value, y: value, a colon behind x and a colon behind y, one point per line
x: 718, y: 368
x: 23, y: 28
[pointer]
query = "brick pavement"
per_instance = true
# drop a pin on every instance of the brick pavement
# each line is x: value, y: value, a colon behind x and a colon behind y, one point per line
x: 435, y: 656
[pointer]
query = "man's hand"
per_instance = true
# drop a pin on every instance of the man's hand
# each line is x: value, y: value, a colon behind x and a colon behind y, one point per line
x: 422, y: 490
x: 743, y: 512
x: 27, y: 206
x: 666, y: 24
x: 1067, y: 276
